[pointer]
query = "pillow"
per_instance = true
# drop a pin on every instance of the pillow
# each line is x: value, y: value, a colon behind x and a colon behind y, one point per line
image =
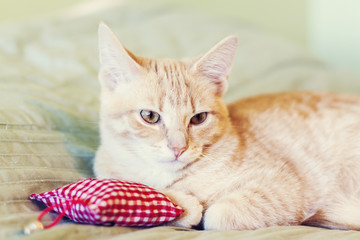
x: 111, y: 202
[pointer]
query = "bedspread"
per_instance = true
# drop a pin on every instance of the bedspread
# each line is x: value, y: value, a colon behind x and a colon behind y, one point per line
x: 49, y: 102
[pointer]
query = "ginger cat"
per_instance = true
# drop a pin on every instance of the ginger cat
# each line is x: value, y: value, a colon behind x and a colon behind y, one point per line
x: 281, y: 159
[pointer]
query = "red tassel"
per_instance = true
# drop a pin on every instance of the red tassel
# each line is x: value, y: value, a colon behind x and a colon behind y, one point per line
x: 35, y: 225
x: 57, y: 219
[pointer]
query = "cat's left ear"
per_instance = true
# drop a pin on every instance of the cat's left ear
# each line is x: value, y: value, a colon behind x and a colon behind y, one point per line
x: 117, y: 63
x: 216, y: 64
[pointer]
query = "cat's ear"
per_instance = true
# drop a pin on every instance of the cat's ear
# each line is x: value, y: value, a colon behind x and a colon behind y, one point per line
x: 117, y: 64
x: 216, y: 64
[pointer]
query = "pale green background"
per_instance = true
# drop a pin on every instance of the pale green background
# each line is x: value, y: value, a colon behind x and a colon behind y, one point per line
x: 327, y: 28
x: 11, y: 10
x: 284, y: 17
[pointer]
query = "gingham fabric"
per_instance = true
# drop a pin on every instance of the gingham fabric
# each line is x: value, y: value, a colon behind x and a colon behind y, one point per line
x: 111, y: 202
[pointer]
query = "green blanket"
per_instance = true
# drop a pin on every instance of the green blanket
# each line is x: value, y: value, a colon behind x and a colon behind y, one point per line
x: 49, y: 103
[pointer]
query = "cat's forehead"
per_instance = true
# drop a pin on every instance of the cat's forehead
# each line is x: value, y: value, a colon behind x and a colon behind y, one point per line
x: 172, y: 87
x: 173, y: 83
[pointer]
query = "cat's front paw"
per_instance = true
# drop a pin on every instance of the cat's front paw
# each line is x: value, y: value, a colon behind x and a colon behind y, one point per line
x: 192, y: 209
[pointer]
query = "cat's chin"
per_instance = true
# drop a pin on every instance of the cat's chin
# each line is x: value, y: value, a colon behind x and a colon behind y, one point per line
x: 172, y: 163
x: 170, y: 159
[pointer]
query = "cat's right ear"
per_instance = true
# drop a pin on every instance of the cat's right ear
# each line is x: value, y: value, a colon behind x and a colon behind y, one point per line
x: 117, y: 65
x: 216, y: 64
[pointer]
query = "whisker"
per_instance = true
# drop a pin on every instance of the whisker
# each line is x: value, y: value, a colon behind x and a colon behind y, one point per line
x: 207, y: 157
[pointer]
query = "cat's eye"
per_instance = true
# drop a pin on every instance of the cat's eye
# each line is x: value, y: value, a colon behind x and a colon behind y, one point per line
x: 198, y: 118
x: 150, y: 116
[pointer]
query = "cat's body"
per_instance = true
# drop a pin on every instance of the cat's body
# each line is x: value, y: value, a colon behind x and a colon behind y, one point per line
x: 278, y: 159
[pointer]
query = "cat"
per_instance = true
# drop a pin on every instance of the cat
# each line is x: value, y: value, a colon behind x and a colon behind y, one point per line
x: 275, y: 159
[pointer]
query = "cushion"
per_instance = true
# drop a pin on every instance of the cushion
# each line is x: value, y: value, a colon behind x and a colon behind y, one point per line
x: 111, y: 202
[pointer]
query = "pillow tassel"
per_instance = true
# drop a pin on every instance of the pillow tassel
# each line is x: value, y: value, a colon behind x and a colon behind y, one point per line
x: 36, y: 224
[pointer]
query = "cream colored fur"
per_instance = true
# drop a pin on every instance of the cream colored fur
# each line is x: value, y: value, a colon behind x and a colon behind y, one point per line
x: 282, y: 159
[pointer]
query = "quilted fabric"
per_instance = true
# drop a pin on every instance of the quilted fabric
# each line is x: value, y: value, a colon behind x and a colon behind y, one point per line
x: 111, y: 202
x: 49, y: 104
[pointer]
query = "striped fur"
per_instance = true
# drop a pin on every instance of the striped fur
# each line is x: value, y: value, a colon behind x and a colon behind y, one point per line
x: 281, y: 159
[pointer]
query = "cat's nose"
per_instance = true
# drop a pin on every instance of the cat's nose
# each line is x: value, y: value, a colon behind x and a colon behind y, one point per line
x: 178, y: 151
x: 177, y: 142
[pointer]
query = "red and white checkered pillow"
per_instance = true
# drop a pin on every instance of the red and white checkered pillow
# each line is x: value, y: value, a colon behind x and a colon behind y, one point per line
x: 111, y: 202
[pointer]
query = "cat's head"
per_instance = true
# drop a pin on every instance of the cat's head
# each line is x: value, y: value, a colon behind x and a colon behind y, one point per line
x: 162, y: 112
